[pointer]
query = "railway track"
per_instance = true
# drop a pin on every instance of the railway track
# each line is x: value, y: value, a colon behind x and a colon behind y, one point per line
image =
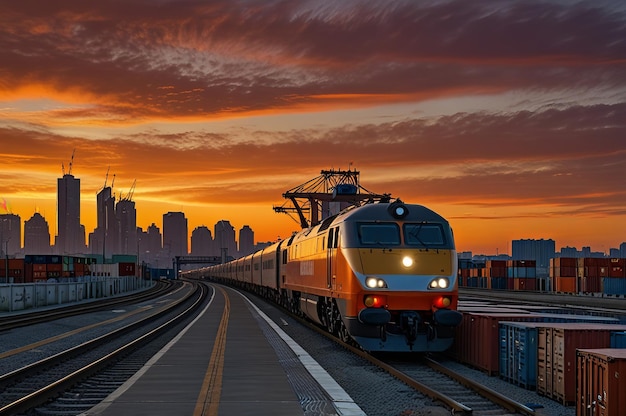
x: 461, y: 395
x: 80, y: 377
x: 13, y: 321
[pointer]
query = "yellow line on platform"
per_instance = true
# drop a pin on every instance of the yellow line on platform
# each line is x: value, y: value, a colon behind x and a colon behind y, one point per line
x: 208, y: 401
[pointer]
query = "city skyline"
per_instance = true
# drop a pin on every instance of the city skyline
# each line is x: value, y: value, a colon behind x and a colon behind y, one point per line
x: 507, y: 118
x: 106, y: 200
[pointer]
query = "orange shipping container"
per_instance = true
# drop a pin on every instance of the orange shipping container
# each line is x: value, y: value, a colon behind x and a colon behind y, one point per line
x: 565, y: 284
x: 601, y: 382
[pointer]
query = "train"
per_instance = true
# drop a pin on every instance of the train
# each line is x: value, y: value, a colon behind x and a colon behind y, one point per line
x: 382, y: 275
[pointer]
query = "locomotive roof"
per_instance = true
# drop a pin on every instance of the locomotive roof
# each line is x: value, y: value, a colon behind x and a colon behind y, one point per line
x: 382, y: 211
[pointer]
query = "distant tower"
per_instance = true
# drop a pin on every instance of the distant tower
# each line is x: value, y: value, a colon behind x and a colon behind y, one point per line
x: 37, y: 235
x: 201, y: 241
x: 104, y: 237
x: 70, y: 234
x: 10, y: 234
x: 225, y: 238
x: 175, y: 234
x: 246, y: 241
x: 126, y: 215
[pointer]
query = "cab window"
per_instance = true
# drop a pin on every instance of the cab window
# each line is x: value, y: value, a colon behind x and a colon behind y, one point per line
x: 425, y: 235
x: 379, y: 234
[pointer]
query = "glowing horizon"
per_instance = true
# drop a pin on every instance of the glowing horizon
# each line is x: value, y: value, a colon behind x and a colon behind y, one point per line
x: 507, y: 119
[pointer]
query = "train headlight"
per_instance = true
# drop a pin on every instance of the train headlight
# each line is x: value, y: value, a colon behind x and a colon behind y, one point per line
x: 375, y: 283
x: 407, y: 261
x: 398, y: 210
x: 439, y: 283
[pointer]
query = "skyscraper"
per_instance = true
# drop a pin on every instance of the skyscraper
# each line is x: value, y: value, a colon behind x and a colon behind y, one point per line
x: 37, y: 235
x: 10, y: 234
x: 175, y: 234
x: 246, y: 240
x: 70, y: 237
x: 201, y: 241
x: 225, y: 238
x: 126, y: 215
x: 103, y: 239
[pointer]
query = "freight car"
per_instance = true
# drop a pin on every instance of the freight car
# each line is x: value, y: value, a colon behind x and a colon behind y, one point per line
x: 383, y: 274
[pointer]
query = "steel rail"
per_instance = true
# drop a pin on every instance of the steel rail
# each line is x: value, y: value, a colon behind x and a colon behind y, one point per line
x: 53, y: 389
x: 484, y: 391
x: 12, y: 321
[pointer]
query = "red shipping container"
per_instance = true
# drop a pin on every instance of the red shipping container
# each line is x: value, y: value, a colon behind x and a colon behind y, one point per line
x: 556, y: 355
x: 617, y: 268
x: 590, y: 284
x: 126, y: 269
x: 601, y: 382
x: 525, y: 283
x: 477, y: 341
x: 566, y: 262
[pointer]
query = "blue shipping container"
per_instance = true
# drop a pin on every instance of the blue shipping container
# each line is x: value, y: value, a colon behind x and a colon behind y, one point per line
x: 499, y: 283
x: 614, y: 286
x: 618, y: 339
x: 518, y: 353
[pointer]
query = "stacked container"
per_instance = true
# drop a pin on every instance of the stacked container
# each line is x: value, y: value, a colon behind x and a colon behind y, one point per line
x: 563, y: 273
x: 556, y: 355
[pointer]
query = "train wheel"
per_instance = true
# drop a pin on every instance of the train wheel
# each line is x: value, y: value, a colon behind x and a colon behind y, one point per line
x: 332, y: 316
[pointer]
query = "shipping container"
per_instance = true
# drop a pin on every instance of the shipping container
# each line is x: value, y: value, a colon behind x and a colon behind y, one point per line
x: 525, y: 283
x: 617, y: 268
x: 613, y: 286
x: 477, y: 340
x: 556, y: 355
x: 499, y: 283
x: 518, y: 353
x: 590, y: 284
x: 565, y: 285
x: 618, y: 339
x: 601, y: 382
x: 518, y: 345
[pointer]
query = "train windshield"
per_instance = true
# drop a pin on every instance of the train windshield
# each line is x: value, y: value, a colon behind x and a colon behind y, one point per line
x: 425, y: 235
x: 386, y: 234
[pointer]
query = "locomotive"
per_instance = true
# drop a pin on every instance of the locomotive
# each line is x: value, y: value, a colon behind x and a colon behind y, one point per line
x: 382, y: 274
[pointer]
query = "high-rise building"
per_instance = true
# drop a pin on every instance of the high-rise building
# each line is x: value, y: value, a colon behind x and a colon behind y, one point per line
x: 70, y: 237
x: 103, y: 240
x: 10, y: 234
x: 539, y: 250
x: 37, y: 235
x: 246, y: 241
x: 175, y: 234
x: 225, y: 239
x: 201, y: 242
x: 622, y: 250
x: 126, y: 215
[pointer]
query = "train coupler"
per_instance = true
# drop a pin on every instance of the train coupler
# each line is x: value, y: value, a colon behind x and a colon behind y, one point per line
x: 409, y: 321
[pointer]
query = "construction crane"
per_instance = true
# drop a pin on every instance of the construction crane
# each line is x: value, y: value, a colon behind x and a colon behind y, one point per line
x: 69, y: 172
x: 106, y: 177
x: 129, y: 196
x: 313, y: 197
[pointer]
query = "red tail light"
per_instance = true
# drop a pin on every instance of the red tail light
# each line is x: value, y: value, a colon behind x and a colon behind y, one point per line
x: 442, y: 302
x: 375, y: 301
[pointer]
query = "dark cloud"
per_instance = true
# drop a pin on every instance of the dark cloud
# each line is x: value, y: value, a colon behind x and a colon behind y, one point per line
x: 137, y: 59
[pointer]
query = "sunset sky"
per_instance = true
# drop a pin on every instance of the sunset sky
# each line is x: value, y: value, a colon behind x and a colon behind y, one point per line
x: 506, y: 117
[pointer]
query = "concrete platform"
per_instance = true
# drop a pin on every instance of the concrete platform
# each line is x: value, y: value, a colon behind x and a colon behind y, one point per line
x: 232, y: 360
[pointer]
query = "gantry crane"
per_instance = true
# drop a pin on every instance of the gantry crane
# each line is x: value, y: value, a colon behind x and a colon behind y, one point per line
x: 314, y: 196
